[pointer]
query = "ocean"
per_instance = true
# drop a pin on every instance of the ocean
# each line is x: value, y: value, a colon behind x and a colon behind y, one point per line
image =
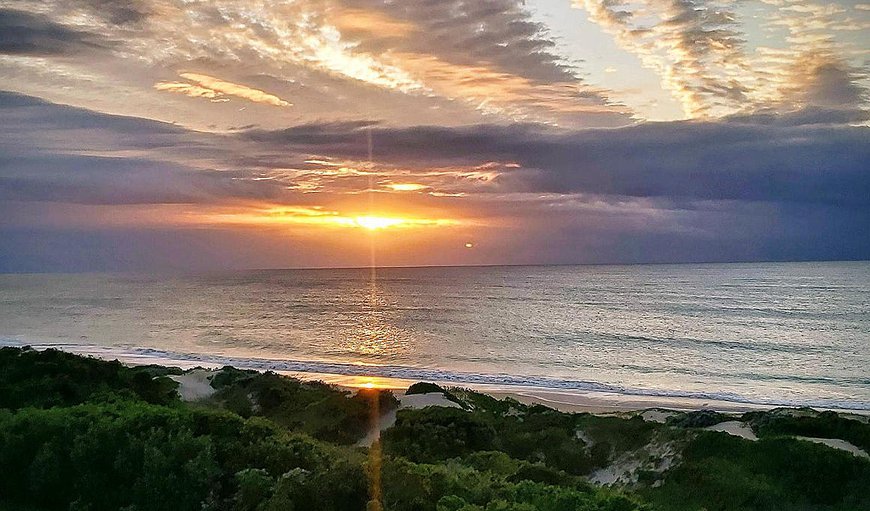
x: 795, y: 334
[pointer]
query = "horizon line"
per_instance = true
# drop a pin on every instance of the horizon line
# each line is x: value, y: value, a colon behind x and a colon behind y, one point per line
x: 190, y: 271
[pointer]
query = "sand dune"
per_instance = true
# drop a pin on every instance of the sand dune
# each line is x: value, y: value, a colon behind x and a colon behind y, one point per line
x: 195, y: 385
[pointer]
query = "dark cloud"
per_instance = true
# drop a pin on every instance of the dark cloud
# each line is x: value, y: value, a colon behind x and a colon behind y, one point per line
x: 804, y: 116
x: 792, y: 158
x: 44, y: 157
x: 100, y: 180
x: 749, y: 188
x: 118, y: 12
x: 494, y: 32
x: 23, y: 33
x: 314, y: 134
x: 26, y: 113
x: 751, y: 161
x: 831, y: 82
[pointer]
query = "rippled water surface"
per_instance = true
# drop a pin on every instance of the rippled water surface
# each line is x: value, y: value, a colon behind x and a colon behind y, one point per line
x: 790, y: 333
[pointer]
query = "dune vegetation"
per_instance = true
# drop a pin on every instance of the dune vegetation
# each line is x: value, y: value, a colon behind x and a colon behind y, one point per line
x: 79, y: 433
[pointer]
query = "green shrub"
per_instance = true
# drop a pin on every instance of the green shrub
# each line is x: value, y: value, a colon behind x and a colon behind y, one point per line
x: 435, y: 434
x: 722, y: 472
x: 810, y: 423
x: 321, y: 410
x: 696, y: 419
x: 43, y: 379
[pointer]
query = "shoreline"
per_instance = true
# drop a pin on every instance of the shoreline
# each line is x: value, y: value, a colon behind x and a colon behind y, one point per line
x: 565, y: 400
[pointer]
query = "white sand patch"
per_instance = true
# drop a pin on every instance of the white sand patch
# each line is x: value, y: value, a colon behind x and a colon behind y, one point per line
x: 512, y: 412
x: 384, y: 421
x: 836, y: 443
x: 656, y: 415
x: 619, y: 472
x: 654, y: 457
x: 735, y: 428
x: 424, y: 400
x: 195, y: 385
x: 585, y: 438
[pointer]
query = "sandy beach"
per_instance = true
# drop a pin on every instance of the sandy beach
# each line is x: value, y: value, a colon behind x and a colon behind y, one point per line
x: 562, y: 400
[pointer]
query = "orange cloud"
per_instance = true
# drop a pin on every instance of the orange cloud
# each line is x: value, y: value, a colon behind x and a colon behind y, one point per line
x: 215, y: 89
x: 317, y: 216
x: 370, y: 22
x: 189, y: 89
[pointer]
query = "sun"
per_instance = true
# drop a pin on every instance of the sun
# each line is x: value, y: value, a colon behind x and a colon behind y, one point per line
x: 377, y: 222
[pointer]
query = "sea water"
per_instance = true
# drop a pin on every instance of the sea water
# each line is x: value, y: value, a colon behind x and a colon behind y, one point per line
x: 766, y: 333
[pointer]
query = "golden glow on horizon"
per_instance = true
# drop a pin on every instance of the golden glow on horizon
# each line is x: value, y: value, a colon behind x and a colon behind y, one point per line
x: 372, y: 222
x: 322, y: 217
x: 370, y: 382
x: 406, y: 187
x: 377, y: 222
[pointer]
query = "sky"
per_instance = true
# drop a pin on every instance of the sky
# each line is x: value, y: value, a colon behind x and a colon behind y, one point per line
x: 155, y: 135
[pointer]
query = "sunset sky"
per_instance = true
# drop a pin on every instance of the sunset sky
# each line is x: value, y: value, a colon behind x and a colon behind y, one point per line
x: 179, y: 134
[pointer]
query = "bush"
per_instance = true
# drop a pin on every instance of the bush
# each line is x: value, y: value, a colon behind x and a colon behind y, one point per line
x: 436, y: 434
x: 323, y: 411
x: 43, y: 379
x: 139, y: 456
x: 722, y: 472
x: 697, y: 419
x: 810, y: 423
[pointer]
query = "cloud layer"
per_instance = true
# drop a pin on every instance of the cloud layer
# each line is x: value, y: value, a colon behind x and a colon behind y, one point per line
x: 262, y: 131
x: 744, y: 184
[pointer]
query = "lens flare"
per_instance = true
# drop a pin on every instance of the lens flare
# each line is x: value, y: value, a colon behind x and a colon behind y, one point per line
x: 377, y: 222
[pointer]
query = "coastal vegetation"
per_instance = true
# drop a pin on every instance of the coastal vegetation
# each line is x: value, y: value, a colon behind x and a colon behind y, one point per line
x: 78, y: 433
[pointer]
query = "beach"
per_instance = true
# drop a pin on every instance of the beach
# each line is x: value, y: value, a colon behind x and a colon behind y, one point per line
x: 559, y: 399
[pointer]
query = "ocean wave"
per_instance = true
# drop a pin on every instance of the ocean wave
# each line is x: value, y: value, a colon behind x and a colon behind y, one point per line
x: 144, y: 354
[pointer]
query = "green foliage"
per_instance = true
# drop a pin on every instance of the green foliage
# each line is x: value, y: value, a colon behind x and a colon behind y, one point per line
x: 536, y: 434
x: 229, y: 375
x: 622, y: 435
x: 453, y: 486
x: 435, y: 433
x: 697, y: 419
x: 49, y: 378
x: 485, y: 403
x: 722, y: 472
x: 546, y: 436
x: 320, y: 410
x: 85, y: 435
x: 137, y: 456
x: 426, y: 388
x: 810, y: 423
x: 255, y: 488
